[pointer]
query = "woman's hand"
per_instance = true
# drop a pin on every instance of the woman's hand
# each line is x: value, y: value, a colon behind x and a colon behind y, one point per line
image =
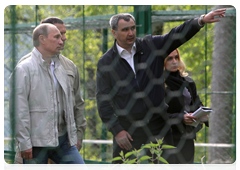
x: 204, y: 118
x: 189, y: 119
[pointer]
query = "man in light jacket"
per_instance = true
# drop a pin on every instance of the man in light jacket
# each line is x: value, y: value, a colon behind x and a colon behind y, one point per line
x: 74, y: 78
x: 45, y: 125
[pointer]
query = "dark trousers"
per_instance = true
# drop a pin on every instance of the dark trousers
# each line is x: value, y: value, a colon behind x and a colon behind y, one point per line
x: 184, y: 152
x: 145, y: 135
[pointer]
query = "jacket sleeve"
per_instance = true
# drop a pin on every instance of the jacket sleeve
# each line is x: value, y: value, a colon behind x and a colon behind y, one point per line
x: 104, y: 101
x: 178, y: 116
x: 78, y: 109
x: 176, y: 37
x: 196, y: 104
x: 19, y: 106
x: 197, y: 101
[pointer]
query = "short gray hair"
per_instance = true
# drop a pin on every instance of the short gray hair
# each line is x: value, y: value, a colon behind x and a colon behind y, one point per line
x: 42, y: 29
x: 115, y: 18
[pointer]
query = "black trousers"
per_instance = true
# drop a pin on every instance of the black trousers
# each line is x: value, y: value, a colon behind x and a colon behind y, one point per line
x: 184, y: 152
x: 146, y: 134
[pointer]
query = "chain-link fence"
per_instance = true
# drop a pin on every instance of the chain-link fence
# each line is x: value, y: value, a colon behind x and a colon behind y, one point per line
x: 210, y: 58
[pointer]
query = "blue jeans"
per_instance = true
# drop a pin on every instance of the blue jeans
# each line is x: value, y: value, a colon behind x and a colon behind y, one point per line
x: 62, y: 154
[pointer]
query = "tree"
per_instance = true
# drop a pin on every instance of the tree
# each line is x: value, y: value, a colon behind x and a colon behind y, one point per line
x: 223, y: 68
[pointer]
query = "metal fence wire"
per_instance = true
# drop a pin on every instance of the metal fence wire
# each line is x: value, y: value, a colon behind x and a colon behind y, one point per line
x: 210, y: 59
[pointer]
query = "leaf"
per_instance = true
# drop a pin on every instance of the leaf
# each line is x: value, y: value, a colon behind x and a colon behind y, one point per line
x: 152, y: 150
x: 156, y: 152
x: 121, y: 153
x: 160, y: 152
x: 132, y: 161
x: 128, y: 154
x: 160, y: 141
x: 149, y: 165
x: 144, y: 158
x: 117, y: 158
x: 146, y: 146
x: 163, y: 160
x: 139, y: 150
x: 154, y: 145
x: 135, y: 152
x: 167, y: 167
x: 168, y: 147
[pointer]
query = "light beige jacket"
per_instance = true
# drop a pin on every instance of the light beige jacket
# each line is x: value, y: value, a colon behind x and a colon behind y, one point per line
x: 36, y: 122
x: 78, y: 103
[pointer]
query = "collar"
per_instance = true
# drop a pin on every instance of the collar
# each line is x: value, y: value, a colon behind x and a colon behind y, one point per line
x: 35, y: 49
x: 38, y: 56
x: 137, y: 45
x: 54, y: 61
x: 121, y: 50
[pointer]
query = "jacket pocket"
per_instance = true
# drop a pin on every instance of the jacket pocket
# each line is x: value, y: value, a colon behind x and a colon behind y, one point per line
x: 71, y: 77
x: 39, y: 122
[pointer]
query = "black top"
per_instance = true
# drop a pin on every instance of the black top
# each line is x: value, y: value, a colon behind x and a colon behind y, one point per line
x: 174, y: 97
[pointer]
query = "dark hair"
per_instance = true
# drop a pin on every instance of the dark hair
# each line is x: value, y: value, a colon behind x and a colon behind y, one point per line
x: 115, y: 18
x: 52, y: 20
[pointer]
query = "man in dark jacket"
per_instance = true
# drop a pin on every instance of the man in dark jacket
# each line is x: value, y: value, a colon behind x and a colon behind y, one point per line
x: 130, y: 91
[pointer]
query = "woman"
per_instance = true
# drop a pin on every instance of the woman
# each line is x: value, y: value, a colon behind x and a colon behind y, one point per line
x: 182, y: 99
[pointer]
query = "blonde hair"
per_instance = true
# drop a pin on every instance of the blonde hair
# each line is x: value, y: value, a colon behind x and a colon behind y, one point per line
x: 181, y: 66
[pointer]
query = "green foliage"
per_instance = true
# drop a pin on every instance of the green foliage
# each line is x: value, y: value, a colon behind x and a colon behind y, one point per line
x: 155, y: 149
x: 178, y: 7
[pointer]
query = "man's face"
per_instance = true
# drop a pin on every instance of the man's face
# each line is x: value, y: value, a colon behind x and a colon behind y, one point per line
x: 126, y: 33
x: 62, y: 29
x: 172, y: 62
x: 53, y: 43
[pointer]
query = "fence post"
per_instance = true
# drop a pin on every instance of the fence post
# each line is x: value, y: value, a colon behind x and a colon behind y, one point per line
x: 235, y: 115
x: 142, y: 14
x: 84, y: 80
x: 104, y: 130
x: 13, y: 56
x: 206, y: 85
x: 36, y: 15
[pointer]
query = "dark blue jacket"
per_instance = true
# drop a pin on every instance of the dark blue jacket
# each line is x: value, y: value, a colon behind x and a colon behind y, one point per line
x: 122, y: 96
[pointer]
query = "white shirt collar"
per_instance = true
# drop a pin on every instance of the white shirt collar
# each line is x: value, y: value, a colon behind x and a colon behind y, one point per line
x: 120, y: 49
x: 127, y: 56
x: 52, y: 62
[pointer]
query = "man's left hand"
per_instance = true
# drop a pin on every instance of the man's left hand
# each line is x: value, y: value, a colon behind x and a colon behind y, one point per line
x: 209, y: 18
x: 79, y: 145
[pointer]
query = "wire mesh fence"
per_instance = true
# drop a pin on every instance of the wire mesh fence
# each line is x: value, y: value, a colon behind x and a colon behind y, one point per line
x: 209, y: 56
